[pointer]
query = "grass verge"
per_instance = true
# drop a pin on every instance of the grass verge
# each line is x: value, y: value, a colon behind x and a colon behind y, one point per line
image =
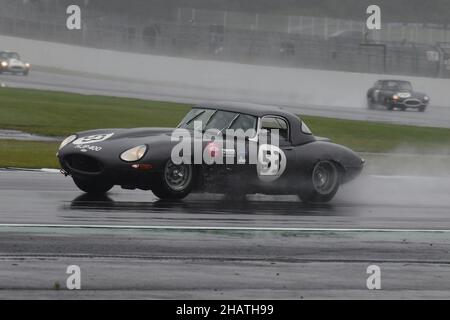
x: 28, y: 154
x: 59, y: 114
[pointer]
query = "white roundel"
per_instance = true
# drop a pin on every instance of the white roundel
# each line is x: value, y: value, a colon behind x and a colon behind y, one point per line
x: 271, y: 162
x: 93, y: 139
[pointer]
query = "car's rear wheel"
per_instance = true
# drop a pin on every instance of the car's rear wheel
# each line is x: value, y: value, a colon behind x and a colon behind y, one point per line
x: 322, y: 184
x: 92, y: 186
x: 175, y: 182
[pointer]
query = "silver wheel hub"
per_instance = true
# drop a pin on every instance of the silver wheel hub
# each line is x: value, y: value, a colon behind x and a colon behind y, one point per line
x: 325, y: 177
x: 177, y: 177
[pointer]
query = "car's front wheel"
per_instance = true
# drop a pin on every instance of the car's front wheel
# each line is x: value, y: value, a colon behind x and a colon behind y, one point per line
x: 92, y: 186
x: 175, y: 181
x: 322, y: 184
x: 422, y: 109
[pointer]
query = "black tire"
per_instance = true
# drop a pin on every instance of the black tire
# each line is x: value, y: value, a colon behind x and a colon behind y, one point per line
x: 312, y: 191
x: 422, y: 109
x: 390, y: 106
x: 25, y: 73
x: 403, y: 108
x: 92, y: 186
x: 175, y: 181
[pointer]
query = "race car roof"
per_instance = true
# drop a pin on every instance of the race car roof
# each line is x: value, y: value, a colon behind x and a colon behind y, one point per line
x: 394, y: 80
x: 296, y: 135
x: 256, y: 110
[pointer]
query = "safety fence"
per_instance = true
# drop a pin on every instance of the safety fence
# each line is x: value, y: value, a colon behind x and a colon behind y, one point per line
x: 301, y: 42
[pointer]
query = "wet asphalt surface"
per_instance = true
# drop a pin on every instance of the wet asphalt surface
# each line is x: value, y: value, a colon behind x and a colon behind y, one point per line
x: 128, y: 244
x: 371, y: 202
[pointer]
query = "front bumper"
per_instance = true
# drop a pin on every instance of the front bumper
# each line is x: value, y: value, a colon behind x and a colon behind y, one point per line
x: 114, y: 171
x: 409, y: 103
x: 15, y: 68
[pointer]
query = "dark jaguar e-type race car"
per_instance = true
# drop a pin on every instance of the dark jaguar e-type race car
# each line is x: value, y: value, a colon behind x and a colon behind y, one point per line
x: 396, y: 94
x: 228, y: 148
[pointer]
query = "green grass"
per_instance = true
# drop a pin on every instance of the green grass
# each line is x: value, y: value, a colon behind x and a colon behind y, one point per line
x: 28, y: 154
x: 61, y: 114
x: 381, y: 137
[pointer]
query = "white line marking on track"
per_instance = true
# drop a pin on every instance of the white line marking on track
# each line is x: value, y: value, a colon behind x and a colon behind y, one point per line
x: 50, y: 170
x: 193, y: 228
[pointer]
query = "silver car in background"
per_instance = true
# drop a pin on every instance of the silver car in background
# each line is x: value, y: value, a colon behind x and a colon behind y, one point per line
x: 10, y: 62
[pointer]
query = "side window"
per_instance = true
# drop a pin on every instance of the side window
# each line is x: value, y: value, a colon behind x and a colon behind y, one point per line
x: 270, y: 123
x: 202, y: 116
x: 244, y: 122
x: 304, y: 128
x: 220, y: 120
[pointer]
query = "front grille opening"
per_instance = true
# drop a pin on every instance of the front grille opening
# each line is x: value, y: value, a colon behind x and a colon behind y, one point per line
x: 84, y: 163
x: 412, y: 103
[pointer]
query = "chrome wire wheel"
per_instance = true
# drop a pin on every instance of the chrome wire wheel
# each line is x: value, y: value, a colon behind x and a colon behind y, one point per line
x: 177, y: 177
x: 325, y: 177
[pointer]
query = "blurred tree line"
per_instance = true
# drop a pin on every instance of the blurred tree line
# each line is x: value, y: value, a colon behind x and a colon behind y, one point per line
x: 429, y: 11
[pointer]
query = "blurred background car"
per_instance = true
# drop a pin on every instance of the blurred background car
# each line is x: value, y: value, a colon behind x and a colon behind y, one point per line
x: 396, y: 94
x: 11, y: 62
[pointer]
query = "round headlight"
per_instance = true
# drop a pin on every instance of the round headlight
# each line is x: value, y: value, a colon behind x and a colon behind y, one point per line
x: 66, y: 141
x: 395, y: 97
x: 4, y: 64
x: 27, y: 65
x: 426, y: 98
x: 134, y: 154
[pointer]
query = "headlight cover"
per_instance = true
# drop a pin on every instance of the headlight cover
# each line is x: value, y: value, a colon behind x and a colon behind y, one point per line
x: 134, y: 154
x: 4, y: 64
x: 426, y: 98
x: 67, y: 140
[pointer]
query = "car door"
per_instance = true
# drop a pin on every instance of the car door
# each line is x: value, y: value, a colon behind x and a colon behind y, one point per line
x: 276, y: 155
x: 240, y: 138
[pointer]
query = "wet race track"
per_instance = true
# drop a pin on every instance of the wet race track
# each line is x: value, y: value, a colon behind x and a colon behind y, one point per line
x: 130, y: 244
x: 374, y: 202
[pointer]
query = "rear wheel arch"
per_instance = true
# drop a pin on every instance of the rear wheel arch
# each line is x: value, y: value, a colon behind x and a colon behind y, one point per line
x: 340, y: 167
